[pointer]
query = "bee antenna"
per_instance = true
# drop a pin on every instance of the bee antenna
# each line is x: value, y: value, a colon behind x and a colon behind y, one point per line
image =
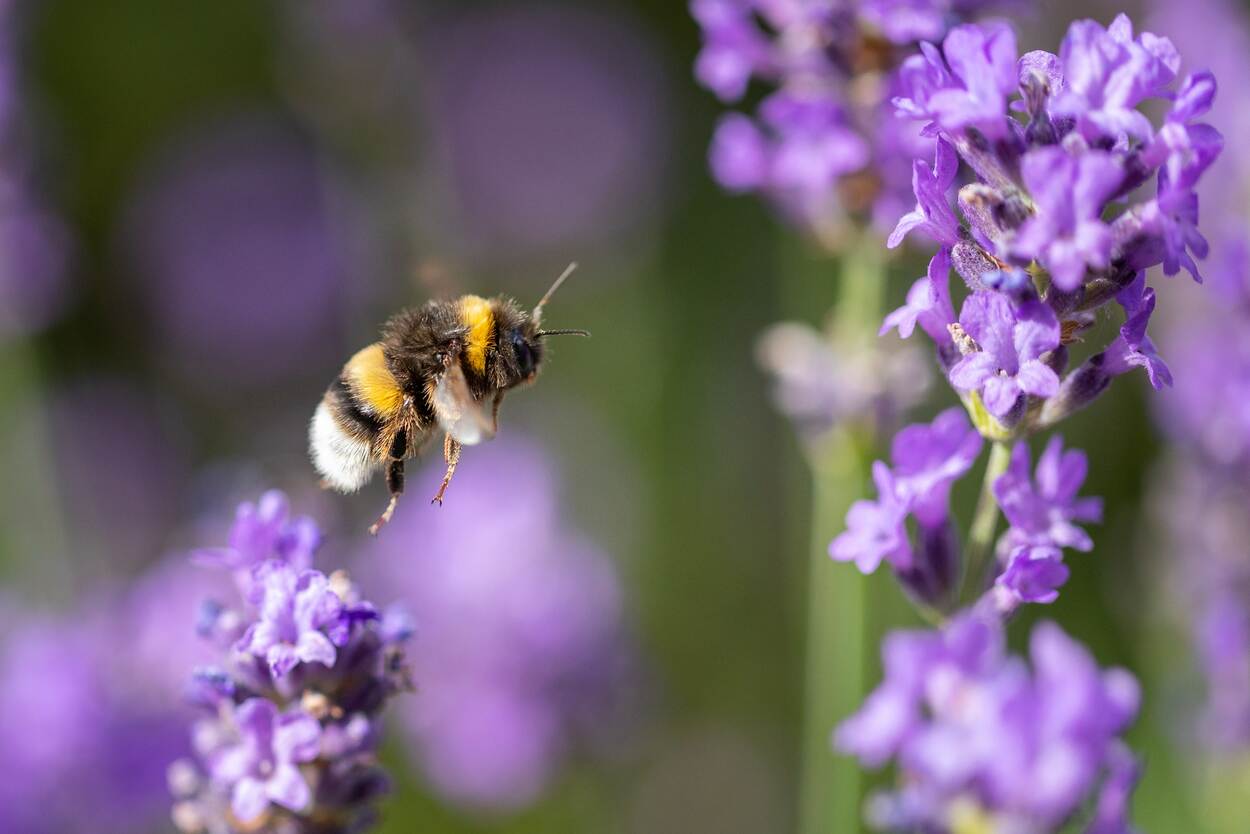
x: 537, y: 315
x: 567, y: 331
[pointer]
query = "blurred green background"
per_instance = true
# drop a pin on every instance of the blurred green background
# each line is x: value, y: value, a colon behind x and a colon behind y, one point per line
x: 669, y: 453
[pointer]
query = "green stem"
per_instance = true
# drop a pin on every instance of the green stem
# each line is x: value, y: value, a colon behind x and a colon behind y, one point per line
x: 984, y: 521
x: 831, y: 788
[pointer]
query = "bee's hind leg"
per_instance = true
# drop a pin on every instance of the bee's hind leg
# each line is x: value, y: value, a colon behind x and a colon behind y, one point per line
x: 451, y: 453
x: 395, y: 484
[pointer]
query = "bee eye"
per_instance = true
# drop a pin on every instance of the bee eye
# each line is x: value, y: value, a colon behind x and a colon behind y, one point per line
x: 524, y: 356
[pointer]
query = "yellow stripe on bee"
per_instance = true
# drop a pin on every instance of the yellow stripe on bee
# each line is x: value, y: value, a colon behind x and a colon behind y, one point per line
x: 371, y: 380
x: 477, y: 315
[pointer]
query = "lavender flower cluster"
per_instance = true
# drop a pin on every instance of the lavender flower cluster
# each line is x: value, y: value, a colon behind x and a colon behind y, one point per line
x: 1059, y: 220
x: 988, y: 742
x: 288, y: 738
x: 1039, y: 260
x: 825, y: 143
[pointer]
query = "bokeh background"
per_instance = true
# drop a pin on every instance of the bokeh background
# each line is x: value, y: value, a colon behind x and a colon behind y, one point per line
x: 205, y: 208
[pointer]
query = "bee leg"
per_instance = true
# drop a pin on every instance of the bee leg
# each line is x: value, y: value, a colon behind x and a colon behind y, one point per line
x: 394, y: 483
x: 494, y: 413
x: 451, y: 453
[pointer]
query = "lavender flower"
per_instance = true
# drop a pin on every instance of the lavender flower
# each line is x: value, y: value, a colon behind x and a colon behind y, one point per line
x: 262, y: 531
x: 240, y: 252
x: 1042, y: 511
x: 876, y: 530
x: 289, y: 735
x: 825, y: 145
x: 1012, y: 340
x: 1067, y: 233
x: 927, y: 459
x: 1083, y: 147
x: 1052, y: 229
x: 928, y: 305
x: 296, y: 608
x: 263, y: 764
x: 984, y: 742
x: 88, y: 717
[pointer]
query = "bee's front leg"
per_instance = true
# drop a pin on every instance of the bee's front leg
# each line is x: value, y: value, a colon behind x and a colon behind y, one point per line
x: 451, y: 453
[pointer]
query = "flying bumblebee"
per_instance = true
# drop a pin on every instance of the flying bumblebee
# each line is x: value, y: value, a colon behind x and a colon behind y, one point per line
x: 444, y: 365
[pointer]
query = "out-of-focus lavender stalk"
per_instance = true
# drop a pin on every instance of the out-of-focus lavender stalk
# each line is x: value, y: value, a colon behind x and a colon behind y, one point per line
x: 290, y: 729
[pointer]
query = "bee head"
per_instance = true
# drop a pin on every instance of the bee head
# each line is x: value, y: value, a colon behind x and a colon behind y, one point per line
x: 519, y: 339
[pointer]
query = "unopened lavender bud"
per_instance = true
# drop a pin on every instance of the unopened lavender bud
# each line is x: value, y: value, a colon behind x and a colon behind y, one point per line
x: 971, y: 262
x: 987, y: 159
x: 932, y: 576
x: 1057, y: 359
x: 210, y: 687
x: 1078, y: 389
x: 979, y: 204
x: 1014, y: 283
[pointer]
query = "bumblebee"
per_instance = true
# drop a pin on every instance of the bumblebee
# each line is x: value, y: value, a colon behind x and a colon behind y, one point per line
x: 444, y: 365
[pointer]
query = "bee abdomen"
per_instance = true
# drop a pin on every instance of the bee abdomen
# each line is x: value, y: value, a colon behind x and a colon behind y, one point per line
x: 341, y: 440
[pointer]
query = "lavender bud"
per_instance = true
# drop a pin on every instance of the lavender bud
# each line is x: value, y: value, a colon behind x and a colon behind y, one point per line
x: 979, y: 204
x: 1078, y: 389
x: 931, y: 578
x: 971, y: 262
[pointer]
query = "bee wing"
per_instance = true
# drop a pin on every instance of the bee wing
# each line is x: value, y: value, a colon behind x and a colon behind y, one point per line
x: 459, y: 413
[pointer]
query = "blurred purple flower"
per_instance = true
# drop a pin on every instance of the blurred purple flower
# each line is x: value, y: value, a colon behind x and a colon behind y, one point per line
x: 262, y: 766
x: 820, y: 382
x: 825, y: 146
x: 1034, y: 573
x: 90, y: 724
x: 876, y: 530
x: 120, y: 468
x: 522, y: 640
x: 35, y: 246
x: 296, y: 608
x: 34, y: 258
x: 263, y: 531
x: 928, y: 459
x: 1043, y: 507
x: 979, y: 736
x: 243, y: 258
x: 560, y: 139
x: 1201, y: 491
